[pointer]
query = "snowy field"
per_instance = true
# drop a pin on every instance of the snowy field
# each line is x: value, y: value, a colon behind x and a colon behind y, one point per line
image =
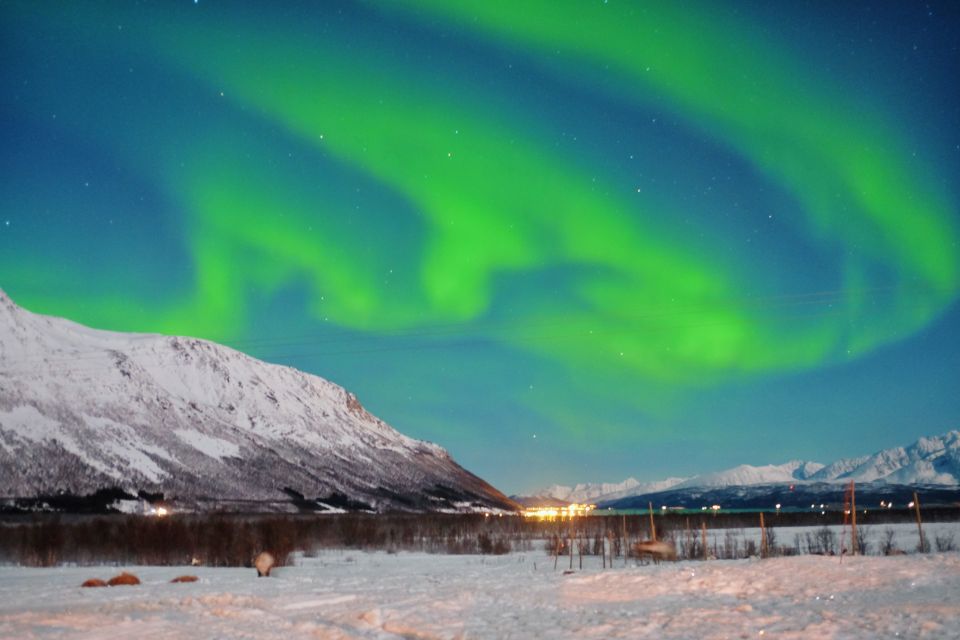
x: 379, y: 595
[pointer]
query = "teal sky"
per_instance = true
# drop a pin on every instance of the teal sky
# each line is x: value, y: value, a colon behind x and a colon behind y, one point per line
x: 568, y: 241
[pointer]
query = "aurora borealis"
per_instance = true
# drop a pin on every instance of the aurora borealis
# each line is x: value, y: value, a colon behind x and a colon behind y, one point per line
x: 567, y: 241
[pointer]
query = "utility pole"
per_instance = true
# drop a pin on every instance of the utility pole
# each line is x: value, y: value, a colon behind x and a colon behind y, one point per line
x: 853, y: 518
x: 916, y: 507
x: 763, y: 538
x: 653, y: 526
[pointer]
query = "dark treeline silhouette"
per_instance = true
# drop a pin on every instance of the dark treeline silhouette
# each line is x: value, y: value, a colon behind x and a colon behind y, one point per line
x: 234, y: 540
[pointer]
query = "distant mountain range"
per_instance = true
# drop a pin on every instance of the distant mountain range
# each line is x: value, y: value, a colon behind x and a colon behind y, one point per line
x: 590, y: 492
x: 932, y: 460
x: 83, y: 410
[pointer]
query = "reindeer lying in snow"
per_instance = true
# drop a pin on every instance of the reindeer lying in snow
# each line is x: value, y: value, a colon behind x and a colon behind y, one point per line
x: 657, y: 549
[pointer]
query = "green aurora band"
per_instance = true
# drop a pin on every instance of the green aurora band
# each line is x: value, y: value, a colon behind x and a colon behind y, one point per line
x: 496, y: 204
x: 489, y: 206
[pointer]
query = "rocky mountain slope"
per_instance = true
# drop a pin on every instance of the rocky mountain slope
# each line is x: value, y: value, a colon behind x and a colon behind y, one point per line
x: 82, y: 409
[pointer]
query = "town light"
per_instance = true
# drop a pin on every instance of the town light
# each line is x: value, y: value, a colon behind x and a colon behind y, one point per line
x: 549, y: 513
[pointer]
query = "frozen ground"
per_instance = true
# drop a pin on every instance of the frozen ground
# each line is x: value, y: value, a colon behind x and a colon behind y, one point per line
x: 376, y: 595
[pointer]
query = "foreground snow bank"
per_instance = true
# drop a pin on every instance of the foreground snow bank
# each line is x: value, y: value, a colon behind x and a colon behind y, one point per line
x: 358, y: 595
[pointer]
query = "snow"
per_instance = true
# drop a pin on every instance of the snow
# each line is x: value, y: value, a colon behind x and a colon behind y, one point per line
x: 909, y: 465
x: 216, y: 448
x: 190, y: 418
x: 929, y: 460
x: 126, y: 446
x: 342, y: 594
x: 27, y: 422
x: 599, y: 491
x: 746, y: 474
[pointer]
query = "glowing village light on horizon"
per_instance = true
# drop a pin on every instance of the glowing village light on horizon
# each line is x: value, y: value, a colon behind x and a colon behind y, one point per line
x: 569, y: 511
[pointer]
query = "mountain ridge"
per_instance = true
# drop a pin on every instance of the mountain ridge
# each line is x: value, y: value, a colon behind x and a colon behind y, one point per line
x: 83, y: 409
x: 930, y: 460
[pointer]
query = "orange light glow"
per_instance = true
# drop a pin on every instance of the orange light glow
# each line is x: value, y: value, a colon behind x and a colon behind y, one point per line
x: 551, y: 513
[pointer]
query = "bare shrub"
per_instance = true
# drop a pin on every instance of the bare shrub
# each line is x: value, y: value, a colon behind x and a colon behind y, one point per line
x: 823, y: 542
x: 597, y: 548
x: 888, y: 545
x: 731, y: 545
x: 863, y: 537
x: 944, y: 541
x: 772, y: 549
x: 484, y: 543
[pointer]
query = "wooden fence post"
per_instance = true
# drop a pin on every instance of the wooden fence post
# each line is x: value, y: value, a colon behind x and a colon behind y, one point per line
x: 916, y: 507
x: 853, y: 518
x: 653, y: 526
x: 763, y: 538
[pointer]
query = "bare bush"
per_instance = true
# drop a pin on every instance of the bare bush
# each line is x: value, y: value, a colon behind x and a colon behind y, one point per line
x: 823, y: 542
x: 888, y: 545
x: 863, y: 537
x: 772, y: 549
x: 944, y: 541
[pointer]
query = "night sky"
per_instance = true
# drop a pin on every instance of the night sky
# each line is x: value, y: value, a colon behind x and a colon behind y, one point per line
x: 566, y: 241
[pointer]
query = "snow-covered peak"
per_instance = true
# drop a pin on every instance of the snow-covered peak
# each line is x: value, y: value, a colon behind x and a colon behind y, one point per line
x: 81, y: 409
x: 929, y: 460
x: 601, y: 491
x: 746, y: 474
x: 585, y: 492
x: 27, y: 337
x: 932, y: 459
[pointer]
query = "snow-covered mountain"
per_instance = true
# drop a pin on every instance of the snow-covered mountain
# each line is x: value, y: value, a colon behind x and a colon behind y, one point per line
x: 930, y: 460
x: 746, y: 474
x: 590, y: 492
x: 82, y: 409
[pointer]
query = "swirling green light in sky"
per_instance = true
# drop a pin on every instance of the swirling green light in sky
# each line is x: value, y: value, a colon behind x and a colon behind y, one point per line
x: 495, y: 203
x: 847, y: 168
x: 390, y: 195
